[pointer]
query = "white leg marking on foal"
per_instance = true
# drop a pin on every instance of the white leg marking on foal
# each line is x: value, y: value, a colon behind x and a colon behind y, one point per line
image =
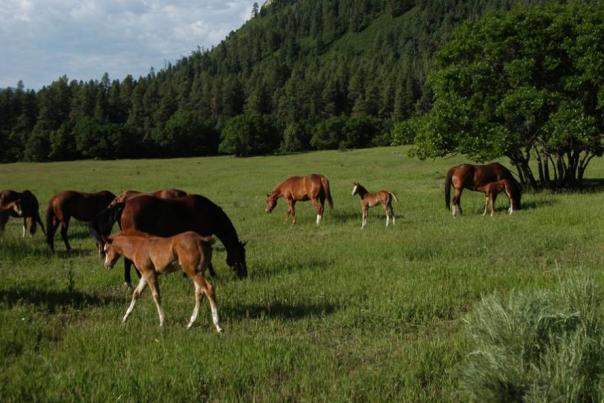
x: 319, y: 219
x: 387, y: 220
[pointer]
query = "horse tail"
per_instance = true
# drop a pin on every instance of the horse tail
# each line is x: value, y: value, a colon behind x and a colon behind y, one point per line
x: 393, y: 196
x: 37, y: 219
x: 50, y: 234
x: 448, y: 181
x: 325, y: 186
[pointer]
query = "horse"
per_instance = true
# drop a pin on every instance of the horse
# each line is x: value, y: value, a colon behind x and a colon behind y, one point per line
x: 475, y: 176
x: 312, y: 187
x: 371, y: 199
x: 168, y: 217
x: 155, y: 255
x: 162, y: 194
x: 79, y: 205
x: 490, y: 195
x: 20, y: 204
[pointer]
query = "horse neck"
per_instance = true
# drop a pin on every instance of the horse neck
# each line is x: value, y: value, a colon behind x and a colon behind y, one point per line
x: 224, y: 229
x: 125, y: 246
x: 361, y: 191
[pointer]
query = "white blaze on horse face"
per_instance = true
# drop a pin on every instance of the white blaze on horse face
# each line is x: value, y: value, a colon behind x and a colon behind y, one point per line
x: 354, y: 190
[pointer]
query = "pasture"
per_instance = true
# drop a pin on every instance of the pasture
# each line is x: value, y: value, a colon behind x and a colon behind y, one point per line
x: 329, y: 313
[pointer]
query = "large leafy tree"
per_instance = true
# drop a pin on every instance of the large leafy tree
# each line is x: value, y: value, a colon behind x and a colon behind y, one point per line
x: 526, y: 84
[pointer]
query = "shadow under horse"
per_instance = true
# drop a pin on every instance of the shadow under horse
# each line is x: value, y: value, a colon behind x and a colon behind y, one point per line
x: 476, y: 178
x: 168, y: 217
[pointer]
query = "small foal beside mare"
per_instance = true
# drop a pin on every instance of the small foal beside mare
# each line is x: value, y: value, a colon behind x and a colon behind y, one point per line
x: 23, y: 205
x: 155, y: 255
x: 312, y: 187
x: 371, y: 199
x: 490, y: 195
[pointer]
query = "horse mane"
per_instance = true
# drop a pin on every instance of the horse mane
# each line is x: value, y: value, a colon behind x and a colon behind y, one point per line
x: 102, y: 224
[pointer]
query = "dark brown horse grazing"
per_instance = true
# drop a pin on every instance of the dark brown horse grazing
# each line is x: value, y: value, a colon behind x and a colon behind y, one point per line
x: 490, y: 195
x: 168, y: 217
x: 154, y: 256
x: 473, y: 177
x: 79, y: 205
x: 20, y: 204
x: 162, y: 194
x: 301, y: 188
x: 370, y: 199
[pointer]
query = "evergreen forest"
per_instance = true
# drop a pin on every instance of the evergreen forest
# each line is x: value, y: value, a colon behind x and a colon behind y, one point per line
x: 298, y: 75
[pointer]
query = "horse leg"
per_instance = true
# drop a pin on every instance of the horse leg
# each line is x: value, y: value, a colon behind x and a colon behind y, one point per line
x: 493, y: 199
x: 199, y: 293
x: 211, y: 270
x: 208, y: 289
x: 486, y: 204
x: 64, y: 228
x: 364, y: 210
x: 127, y: 278
x: 291, y: 210
x: 511, y: 208
x: 24, y: 227
x: 387, y: 212
x: 135, y: 295
x: 319, y: 208
x: 3, y: 220
x: 154, y: 286
x: 456, y: 206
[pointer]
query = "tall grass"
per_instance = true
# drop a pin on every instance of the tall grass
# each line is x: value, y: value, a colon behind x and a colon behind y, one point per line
x: 538, y: 346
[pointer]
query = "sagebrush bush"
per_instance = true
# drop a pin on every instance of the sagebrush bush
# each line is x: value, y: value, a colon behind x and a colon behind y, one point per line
x: 537, y: 346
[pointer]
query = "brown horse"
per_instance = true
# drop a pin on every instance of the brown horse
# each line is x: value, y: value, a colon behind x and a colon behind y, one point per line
x: 371, y: 199
x: 79, y: 205
x: 154, y: 256
x: 301, y: 188
x: 162, y: 194
x: 490, y: 195
x: 20, y: 204
x: 475, y: 176
x: 168, y: 217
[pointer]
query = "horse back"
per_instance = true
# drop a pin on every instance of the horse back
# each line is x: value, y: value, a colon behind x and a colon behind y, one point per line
x: 166, y: 217
x: 82, y: 206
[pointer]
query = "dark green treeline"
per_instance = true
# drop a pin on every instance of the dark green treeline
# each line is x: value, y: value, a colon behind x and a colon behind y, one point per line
x: 299, y: 75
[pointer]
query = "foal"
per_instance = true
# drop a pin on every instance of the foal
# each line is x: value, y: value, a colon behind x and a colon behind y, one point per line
x: 155, y: 255
x: 371, y: 199
x: 490, y: 195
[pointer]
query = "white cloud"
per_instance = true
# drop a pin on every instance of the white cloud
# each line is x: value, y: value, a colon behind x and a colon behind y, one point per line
x: 40, y: 40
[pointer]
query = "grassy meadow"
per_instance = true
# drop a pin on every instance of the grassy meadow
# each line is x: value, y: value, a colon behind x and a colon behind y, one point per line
x: 329, y: 313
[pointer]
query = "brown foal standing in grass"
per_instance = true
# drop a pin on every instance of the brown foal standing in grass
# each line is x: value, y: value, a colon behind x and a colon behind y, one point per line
x: 155, y: 255
x: 491, y: 190
x: 371, y: 199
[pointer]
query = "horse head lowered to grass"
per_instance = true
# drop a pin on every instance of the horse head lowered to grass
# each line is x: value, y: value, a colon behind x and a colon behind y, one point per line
x: 475, y: 177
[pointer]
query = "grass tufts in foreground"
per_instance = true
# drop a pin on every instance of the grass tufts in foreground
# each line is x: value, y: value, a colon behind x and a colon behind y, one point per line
x: 538, y: 346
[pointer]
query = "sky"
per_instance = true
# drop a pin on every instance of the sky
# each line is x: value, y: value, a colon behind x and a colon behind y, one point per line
x: 41, y: 40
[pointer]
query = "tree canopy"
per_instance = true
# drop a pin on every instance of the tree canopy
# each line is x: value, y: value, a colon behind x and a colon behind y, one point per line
x: 522, y: 84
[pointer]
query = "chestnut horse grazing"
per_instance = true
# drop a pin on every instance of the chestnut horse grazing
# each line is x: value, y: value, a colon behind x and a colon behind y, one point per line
x: 370, y: 199
x: 20, y: 204
x: 79, y: 205
x: 490, y: 195
x: 154, y: 256
x: 301, y: 188
x: 162, y: 194
x: 473, y: 177
x: 168, y: 217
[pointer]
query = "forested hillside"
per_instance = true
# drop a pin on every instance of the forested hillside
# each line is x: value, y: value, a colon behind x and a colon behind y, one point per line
x: 300, y: 74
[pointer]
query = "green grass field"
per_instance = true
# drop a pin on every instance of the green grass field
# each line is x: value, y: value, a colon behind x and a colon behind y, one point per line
x: 333, y: 313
